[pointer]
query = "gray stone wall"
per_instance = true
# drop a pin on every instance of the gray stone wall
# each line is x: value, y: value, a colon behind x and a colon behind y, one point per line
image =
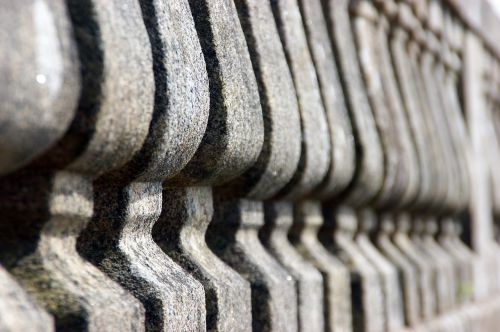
x: 249, y: 165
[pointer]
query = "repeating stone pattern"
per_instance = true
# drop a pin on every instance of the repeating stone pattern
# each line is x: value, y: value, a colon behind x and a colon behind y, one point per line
x: 237, y: 165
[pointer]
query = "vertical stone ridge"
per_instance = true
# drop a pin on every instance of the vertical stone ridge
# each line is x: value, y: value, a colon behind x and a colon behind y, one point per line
x: 128, y: 199
x: 233, y: 236
x: 111, y: 123
x: 309, y: 282
x: 308, y: 220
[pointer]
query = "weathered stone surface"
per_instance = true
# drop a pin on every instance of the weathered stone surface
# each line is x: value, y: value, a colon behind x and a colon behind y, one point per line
x: 309, y: 282
x: 393, y: 303
x: 370, y: 171
x: 180, y: 232
x: 280, y: 154
x: 18, y: 311
x: 39, y: 79
x: 308, y: 220
x: 235, y: 131
x: 368, y: 309
x: 233, y: 237
x: 110, y: 125
x: 407, y: 272
x: 128, y: 201
x: 315, y: 156
x: 343, y: 151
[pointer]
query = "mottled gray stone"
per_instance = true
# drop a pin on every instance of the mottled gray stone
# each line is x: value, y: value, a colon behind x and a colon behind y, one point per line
x: 53, y: 200
x: 407, y: 272
x: 308, y: 220
x: 370, y: 164
x: 368, y: 308
x: 180, y: 232
x: 427, y: 290
x: 315, y: 156
x: 391, y: 287
x: 233, y: 236
x: 281, y: 151
x: 128, y: 201
x: 235, y: 131
x: 309, y: 282
x: 38, y: 76
x: 18, y: 311
x: 343, y: 151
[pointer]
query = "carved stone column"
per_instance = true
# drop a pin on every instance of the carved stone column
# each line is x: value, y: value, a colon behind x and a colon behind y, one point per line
x: 53, y: 198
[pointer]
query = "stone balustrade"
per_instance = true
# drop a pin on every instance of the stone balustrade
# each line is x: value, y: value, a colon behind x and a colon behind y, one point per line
x: 249, y: 165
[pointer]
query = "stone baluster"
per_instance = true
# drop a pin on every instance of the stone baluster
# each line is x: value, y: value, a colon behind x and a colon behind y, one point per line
x: 370, y: 170
x: 465, y: 270
x: 407, y: 271
x: 128, y: 201
x: 409, y: 156
x: 308, y: 217
x: 387, y: 271
x: 343, y: 150
x: 48, y: 204
x: 38, y: 99
x: 430, y: 187
x: 425, y: 271
x: 393, y: 180
x: 272, y: 301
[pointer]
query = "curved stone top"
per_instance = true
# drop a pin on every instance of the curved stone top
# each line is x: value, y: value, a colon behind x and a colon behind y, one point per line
x: 281, y: 150
x: 315, y: 158
x: 235, y: 129
x: 116, y: 100
x: 370, y: 166
x: 181, y: 95
x: 38, y: 78
x: 343, y: 151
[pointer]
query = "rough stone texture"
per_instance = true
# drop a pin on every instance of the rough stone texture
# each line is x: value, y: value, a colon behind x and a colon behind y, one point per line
x: 128, y: 201
x: 39, y: 79
x: 39, y: 249
x: 308, y: 220
x: 315, y: 156
x: 343, y: 152
x: 18, y: 311
x: 180, y: 232
x: 111, y: 123
x: 233, y: 236
x: 281, y: 151
x: 388, y: 274
x: 406, y: 270
x: 368, y: 309
x: 235, y: 130
x: 370, y: 171
x: 309, y: 282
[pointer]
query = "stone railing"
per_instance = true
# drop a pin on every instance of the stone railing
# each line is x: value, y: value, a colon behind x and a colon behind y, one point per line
x: 237, y: 165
